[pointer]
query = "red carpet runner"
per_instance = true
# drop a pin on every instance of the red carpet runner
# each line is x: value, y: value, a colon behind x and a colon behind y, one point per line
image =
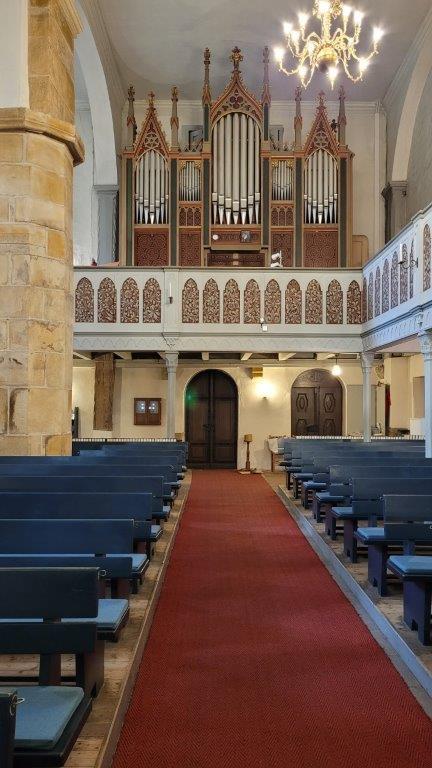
x: 256, y: 659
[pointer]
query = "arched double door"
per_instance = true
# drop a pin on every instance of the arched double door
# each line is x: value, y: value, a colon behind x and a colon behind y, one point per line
x: 316, y: 404
x: 211, y: 404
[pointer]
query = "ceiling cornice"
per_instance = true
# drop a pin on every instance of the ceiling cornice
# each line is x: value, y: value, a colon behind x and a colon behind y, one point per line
x: 92, y: 10
x: 353, y: 106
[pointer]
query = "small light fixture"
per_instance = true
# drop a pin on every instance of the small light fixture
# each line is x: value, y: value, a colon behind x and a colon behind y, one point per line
x: 336, y: 370
x: 264, y: 326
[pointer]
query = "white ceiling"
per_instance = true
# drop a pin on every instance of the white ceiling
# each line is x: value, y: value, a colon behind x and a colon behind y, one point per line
x: 159, y: 43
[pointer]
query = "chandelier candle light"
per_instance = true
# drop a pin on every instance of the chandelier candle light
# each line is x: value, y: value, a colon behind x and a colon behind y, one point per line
x: 336, y: 46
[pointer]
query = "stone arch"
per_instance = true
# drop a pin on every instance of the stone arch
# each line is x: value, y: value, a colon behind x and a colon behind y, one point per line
x: 394, y: 282
x: 152, y: 302
x: 190, y: 302
x: 334, y: 303
x: 84, y: 301
x: 293, y: 303
x: 211, y: 302
x: 377, y: 292
x: 426, y: 257
x: 252, y: 302
x: 129, y: 301
x: 272, y: 303
x: 231, y: 302
x: 386, y: 287
x: 107, y: 301
x: 354, y: 307
x: 314, y: 303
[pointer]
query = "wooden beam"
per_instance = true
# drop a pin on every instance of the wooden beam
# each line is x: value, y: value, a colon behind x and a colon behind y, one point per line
x: 246, y: 356
x: 104, y: 392
x: 83, y: 355
x: 284, y: 356
x: 205, y: 356
x: 324, y: 355
x: 124, y: 355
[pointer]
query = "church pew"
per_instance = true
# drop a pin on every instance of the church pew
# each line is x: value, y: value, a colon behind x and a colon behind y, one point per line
x: 51, y: 593
x: 367, y: 504
x: 82, y: 484
x: 414, y: 571
x: 89, y: 506
x: 91, y: 542
x: 8, y: 705
x: 381, y: 542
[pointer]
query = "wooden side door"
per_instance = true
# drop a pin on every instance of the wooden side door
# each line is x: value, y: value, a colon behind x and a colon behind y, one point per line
x: 329, y: 410
x: 198, y: 420
x: 223, y: 434
x: 303, y: 411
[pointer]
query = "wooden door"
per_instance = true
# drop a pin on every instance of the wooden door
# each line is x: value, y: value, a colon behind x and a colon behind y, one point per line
x: 211, y: 420
x: 316, y: 404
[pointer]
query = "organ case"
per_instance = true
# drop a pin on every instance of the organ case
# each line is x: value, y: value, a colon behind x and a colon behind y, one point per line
x: 237, y: 193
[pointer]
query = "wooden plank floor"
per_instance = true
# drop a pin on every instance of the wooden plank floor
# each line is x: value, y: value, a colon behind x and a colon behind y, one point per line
x: 390, y: 606
x: 96, y: 744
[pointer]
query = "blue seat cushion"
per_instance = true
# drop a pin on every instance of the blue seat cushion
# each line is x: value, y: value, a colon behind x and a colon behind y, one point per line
x: 326, y: 496
x: 111, y: 614
x: 44, y: 714
x: 412, y: 565
x: 311, y: 485
x: 156, y: 532
x: 371, y: 535
x: 303, y: 475
x: 138, y: 561
x: 166, y: 509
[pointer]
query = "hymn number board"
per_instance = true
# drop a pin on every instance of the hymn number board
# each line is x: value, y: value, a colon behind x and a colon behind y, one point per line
x: 147, y: 411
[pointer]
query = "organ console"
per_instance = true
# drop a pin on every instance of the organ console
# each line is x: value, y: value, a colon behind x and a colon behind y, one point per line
x: 236, y: 193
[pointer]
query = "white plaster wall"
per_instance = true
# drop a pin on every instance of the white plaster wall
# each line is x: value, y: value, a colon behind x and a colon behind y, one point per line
x: 260, y: 416
x: 360, y: 138
x: 84, y: 200
x: 419, y: 192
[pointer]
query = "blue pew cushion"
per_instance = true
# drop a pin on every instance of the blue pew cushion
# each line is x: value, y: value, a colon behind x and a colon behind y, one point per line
x: 156, y: 532
x: 111, y: 614
x: 44, y: 714
x: 312, y: 485
x: 371, y: 535
x: 325, y: 496
x: 412, y: 565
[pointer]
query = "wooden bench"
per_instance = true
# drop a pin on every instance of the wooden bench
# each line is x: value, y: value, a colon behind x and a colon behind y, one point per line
x: 8, y: 705
x: 50, y: 716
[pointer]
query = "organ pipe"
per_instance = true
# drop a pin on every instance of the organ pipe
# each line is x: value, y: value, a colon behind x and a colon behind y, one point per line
x: 190, y: 183
x: 151, y: 189
x: 282, y: 180
x: 321, y: 188
x: 236, y: 186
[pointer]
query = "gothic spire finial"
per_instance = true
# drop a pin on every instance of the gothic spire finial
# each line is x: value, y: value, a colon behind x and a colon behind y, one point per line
x: 236, y: 58
x: 206, y: 94
x: 265, y: 97
x: 298, y: 120
x: 342, y: 121
x: 174, y: 118
x: 131, y: 122
x: 151, y: 98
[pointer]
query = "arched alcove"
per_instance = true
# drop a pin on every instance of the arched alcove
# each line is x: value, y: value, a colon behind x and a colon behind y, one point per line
x: 316, y: 404
x: 211, y: 420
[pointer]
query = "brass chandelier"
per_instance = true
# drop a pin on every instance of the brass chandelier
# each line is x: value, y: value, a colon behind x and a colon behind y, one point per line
x: 335, y: 47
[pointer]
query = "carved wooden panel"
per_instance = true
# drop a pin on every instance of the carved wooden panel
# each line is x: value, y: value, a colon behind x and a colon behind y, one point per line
x: 411, y: 272
x: 272, y: 303
x: 129, y: 301
x: 190, y: 248
x: 377, y: 292
x: 104, y: 392
x: 394, y: 282
x: 230, y: 259
x: 426, y: 258
x: 152, y: 302
x: 334, y: 303
x: 403, y: 274
x: 385, y: 287
x: 151, y: 248
x: 282, y: 216
x: 364, y: 301
x: 252, y: 302
x: 236, y: 236
x: 314, y: 304
x: 293, y: 303
x: 370, y: 302
x: 283, y: 241
x: 190, y: 302
x: 211, y: 302
x: 231, y: 302
x: 354, y: 303
x: 84, y: 301
x: 321, y: 248
x: 107, y: 301
x: 190, y: 216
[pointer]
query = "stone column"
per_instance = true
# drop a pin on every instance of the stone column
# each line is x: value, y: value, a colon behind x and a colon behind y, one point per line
x: 107, y: 223
x: 426, y: 348
x: 367, y: 359
x: 395, y: 194
x: 38, y: 148
x: 171, y: 361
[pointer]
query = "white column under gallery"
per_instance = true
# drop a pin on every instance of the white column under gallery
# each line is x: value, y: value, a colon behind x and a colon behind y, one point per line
x: 426, y: 349
x: 367, y: 359
x: 171, y: 362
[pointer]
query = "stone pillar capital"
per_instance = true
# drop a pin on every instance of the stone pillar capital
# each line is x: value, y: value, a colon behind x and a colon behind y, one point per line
x: 367, y: 360
x: 425, y: 339
x: 171, y: 360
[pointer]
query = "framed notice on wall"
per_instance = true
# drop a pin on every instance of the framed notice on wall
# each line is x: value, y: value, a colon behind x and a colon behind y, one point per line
x: 147, y: 411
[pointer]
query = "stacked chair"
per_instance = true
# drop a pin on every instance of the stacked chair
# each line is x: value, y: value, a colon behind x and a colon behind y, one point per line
x: 76, y: 537
x: 378, y: 498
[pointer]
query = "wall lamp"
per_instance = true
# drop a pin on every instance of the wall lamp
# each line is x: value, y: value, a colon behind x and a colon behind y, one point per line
x: 409, y: 263
x: 264, y: 326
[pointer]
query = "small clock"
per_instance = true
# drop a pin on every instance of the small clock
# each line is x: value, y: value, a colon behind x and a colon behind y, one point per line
x: 147, y: 411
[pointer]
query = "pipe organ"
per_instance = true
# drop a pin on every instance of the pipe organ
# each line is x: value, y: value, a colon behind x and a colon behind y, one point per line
x: 232, y: 194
